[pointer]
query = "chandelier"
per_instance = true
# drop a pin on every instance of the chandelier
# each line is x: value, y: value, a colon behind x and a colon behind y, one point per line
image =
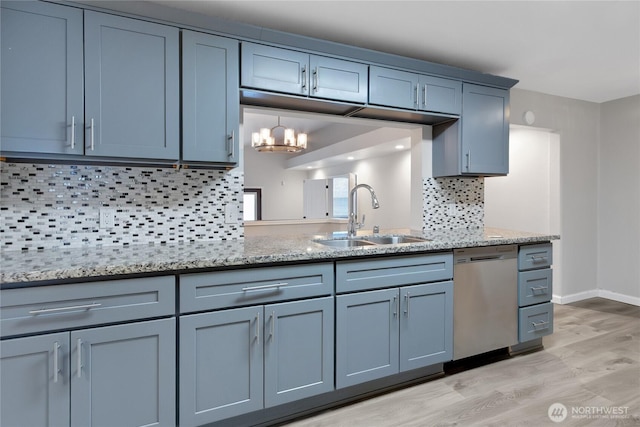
x: 266, y: 140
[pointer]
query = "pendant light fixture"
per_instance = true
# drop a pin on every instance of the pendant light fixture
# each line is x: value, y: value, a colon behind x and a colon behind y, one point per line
x: 267, y: 140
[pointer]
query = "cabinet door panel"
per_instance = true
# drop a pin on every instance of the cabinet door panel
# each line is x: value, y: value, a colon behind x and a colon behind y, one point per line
x: 271, y: 68
x: 367, y: 336
x: 393, y: 88
x: 426, y: 326
x: 221, y: 367
x: 485, y: 130
x: 32, y: 393
x: 298, y: 354
x: 337, y: 79
x: 126, y: 376
x: 42, y: 78
x: 132, y: 85
x: 440, y: 95
x: 210, y: 98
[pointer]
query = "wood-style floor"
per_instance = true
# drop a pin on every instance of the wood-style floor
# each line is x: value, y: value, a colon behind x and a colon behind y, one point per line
x: 590, y: 363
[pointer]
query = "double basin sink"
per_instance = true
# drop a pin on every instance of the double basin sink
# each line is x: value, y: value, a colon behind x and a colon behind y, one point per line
x: 370, y: 241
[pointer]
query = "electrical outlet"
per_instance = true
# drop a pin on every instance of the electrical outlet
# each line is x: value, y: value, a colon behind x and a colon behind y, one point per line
x: 231, y: 213
x: 453, y: 210
x: 107, y: 217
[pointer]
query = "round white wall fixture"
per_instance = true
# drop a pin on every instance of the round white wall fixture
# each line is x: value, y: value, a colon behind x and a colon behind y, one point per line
x: 529, y: 117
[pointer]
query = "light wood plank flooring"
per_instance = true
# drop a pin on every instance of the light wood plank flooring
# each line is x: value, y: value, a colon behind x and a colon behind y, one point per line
x: 591, y: 360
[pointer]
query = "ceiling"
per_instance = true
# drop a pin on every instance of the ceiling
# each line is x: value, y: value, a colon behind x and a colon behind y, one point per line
x: 586, y: 50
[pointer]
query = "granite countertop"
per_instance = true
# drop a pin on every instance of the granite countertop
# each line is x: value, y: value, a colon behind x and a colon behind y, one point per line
x: 77, y: 263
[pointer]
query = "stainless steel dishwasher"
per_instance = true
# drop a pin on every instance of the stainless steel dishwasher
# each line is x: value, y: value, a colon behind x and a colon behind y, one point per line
x: 485, y: 299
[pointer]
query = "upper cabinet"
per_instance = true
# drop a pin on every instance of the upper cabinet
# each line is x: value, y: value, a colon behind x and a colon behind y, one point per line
x: 210, y: 99
x: 287, y: 71
x: 42, y: 78
x: 477, y: 143
x: 402, y: 89
x: 132, y: 88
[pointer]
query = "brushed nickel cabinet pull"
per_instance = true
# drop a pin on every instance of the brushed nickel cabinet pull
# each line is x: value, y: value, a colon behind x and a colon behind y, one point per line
x: 60, y: 309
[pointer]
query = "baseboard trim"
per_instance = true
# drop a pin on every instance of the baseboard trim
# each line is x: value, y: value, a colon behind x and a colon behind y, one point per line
x: 595, y: 293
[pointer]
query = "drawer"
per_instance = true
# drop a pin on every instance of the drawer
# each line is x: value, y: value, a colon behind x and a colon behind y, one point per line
x: 535, y: 321
x: 221, y: 289
x: 534, y: 256
x: 534, y: 286
x: 375, y: 273
x: 47, y: 308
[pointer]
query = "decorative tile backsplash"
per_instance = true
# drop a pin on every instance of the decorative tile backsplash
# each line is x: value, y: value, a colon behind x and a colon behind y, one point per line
x: 451, y: 203
x: 46, y: 206
x: 50, y: 206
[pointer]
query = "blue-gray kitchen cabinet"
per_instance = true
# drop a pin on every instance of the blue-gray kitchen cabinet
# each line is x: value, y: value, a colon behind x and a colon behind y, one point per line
x: 35, y: 381
x: 299, y: 73
x: 210, y: 99
x: 402, y: 89
x: 244, y: 359
x: 477, y: 143
x: 42, y: 78
x: 131, y: 88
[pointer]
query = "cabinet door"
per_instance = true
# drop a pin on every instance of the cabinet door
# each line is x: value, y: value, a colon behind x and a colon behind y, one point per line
x: 393, y: 88
x: 367, y: 336
x: 210, y: 98
x: 221, y: 366
x: 485, y: 130
x: 271, y: 68
x: 132, y: 88
x: 298, y: 350
x: 124, y: 375
x: 338, y: 79
x: 42, y: 78
x: 440, y: 95
x: 426, y: 325
x: 35, y: 381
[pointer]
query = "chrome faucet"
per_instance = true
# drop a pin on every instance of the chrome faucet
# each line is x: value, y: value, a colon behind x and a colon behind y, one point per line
x: 353, y: 209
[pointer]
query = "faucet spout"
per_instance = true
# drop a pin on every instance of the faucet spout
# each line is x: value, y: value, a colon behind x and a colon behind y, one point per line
x: 353, y: 214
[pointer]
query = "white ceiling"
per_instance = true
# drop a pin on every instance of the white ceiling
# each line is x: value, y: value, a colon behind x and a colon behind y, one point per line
x: 588, y: 50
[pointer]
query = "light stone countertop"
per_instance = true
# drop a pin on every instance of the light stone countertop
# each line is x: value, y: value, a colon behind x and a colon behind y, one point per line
x: 20, y: 268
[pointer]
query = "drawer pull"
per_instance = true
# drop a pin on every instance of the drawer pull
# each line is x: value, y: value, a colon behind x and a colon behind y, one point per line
x: 59, y: 309
x: 264, y: 287
x: 537, y: 325
x: 535, y: 289
x: 535, y: 258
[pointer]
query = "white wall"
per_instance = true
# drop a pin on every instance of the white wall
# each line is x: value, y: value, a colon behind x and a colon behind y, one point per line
x: 390, y: 177
x: 619, y: 200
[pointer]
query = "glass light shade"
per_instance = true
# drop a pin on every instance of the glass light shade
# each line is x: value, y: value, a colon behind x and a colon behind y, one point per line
x: 302, y: 140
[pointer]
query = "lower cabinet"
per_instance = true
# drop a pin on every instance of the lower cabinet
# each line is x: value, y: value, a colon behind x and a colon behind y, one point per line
x: 105, y: 376
x: 244, y: 359
x: 383, y: 332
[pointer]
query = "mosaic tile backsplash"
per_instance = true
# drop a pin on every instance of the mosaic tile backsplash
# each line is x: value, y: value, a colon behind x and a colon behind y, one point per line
x: 45, y: 206
x: 451, y: 203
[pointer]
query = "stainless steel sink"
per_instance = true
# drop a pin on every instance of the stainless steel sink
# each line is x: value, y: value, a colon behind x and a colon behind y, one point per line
x: 371, y: 241
x: 392, y: 240
x: 345, y: 243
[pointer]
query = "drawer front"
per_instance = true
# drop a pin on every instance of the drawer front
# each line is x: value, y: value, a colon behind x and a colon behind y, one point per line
x: 534, y: 286
x: 535, y: 321
x: 535, y: 256
x: 221, y: 289
x: 54, y: 307
x: 378, y: 273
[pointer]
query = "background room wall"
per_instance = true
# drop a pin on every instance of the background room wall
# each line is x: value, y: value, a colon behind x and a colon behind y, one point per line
x: 619, y: 200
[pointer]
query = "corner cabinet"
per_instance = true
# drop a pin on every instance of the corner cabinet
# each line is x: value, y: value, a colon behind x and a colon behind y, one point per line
x: 402, y: 89
x: 42, y: 78
x: 132, y: 88
x: 210, y: 99
x: 381, y: 332
x: 477, y: 143
x: 288, y: 71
